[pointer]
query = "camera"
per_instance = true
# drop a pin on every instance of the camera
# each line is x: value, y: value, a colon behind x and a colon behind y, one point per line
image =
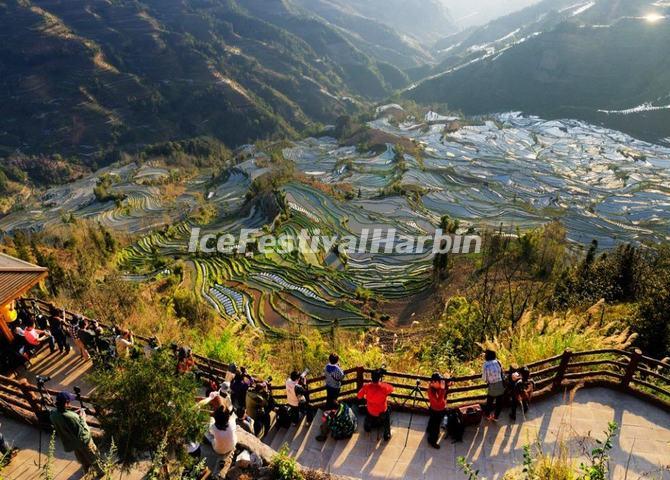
x: 41, y: 380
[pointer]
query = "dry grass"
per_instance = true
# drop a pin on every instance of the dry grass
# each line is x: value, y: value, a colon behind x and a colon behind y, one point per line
x: 542, y: 336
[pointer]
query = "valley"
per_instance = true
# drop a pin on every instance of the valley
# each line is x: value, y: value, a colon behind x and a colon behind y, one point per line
x: 505, y: 171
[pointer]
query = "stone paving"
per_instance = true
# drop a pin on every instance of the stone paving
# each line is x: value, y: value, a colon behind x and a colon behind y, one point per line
x: 494, y: 448
x: 26, y: 465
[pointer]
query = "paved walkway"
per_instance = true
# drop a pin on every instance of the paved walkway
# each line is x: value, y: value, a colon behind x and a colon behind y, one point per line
x: 494, y: 448
x: 25, y: 464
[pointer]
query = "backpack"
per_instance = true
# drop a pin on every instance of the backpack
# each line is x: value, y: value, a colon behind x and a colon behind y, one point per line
x: 455, y: 427
x: 283, y: 417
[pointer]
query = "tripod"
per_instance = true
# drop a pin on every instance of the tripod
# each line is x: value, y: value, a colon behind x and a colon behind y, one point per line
x: 41, y: 417
x: 415, y: 395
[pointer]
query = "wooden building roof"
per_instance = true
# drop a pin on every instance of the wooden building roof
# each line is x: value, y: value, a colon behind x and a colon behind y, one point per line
x: 17, y: 277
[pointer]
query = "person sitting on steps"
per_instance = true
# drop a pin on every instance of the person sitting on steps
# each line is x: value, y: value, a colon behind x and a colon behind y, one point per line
x: 340, y: 422
x: 222, y: 435
x: 378, y: 413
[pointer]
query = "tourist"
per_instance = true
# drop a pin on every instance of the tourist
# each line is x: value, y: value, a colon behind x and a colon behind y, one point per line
x: 334, y: 376
x: 378, y: 413
x: 296, y: 396
x: 493, y: 376
x: 239, y: 387
x: 218, y: 400
x: 124, y: 343
x: 244, y: 421
x: 437, y: 397
x: 521, y: 390
x: 74, y: 433
x: 79, y: 333
x: 151, y: 347
x: 185, y: 360
x: 35, y: 337
x: 259, y: 405
x: 223, y: 437
x: 340, y: 422
x: 7, y: 453
x: 58, y: 330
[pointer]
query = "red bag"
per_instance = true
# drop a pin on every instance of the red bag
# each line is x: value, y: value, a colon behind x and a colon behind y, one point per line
x: 471, y: 414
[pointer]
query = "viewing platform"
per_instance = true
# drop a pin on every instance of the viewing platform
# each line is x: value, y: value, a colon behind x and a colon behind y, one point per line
x: 493, y: 448
x: 577, y: 394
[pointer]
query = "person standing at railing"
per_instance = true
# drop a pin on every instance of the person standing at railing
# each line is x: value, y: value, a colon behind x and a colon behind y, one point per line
x: 376, y: 395
x: 124, y: 343
x: 259, y: 404
x: 437, y: 397
x: 78, y: 331
x: 334, y: 376
x: 73, y: 431
x: 58, y: 329
x: 297, y: 396
x: 494, y: 377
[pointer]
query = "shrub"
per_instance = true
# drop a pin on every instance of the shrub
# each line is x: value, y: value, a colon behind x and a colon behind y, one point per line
x: 142, y: 402
x: 285, y: 467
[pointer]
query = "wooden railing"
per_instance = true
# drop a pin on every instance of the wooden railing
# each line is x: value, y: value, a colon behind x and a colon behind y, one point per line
x: 623, y: 370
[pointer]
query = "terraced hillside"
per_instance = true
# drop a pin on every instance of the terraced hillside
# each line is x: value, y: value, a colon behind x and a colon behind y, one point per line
x: 511, y: 170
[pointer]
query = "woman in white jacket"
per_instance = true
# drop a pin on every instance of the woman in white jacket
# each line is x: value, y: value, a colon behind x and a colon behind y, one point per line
x: 494, y: 377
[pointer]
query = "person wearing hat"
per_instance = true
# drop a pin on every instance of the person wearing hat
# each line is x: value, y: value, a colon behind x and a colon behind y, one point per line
x: 437, y: 397
x: 74, y: 433
x: 376, y: 394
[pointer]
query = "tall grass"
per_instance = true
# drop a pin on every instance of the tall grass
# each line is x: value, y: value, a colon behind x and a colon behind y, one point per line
x: 536, y: 337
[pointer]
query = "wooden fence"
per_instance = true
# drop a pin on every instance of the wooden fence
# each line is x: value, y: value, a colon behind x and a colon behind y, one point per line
x: 626, y: 371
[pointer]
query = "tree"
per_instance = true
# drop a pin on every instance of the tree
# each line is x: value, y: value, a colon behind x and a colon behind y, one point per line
x: 3, y: 183
x: 144, y: 401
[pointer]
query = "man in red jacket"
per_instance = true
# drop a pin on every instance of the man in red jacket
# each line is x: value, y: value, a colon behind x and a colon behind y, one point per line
x: 376, y: 395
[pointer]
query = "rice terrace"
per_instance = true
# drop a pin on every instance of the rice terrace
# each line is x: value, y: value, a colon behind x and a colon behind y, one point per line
x: 483, y: 175
x: 334, y: 239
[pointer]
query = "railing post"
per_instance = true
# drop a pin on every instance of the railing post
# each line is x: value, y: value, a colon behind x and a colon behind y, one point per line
x: 29, y: 395
x: 360, y: 379
x: 562, y: 368
x: 631, y: 368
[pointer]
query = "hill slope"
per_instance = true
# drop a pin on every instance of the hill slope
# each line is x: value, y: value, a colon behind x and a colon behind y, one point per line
x: 594, y: 60
x: 83, y: 76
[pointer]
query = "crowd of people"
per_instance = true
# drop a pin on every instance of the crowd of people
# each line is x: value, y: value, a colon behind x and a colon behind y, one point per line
x: 236, y: 400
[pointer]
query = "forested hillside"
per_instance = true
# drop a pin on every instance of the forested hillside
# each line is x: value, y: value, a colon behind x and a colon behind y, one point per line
x: 80, y: 77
